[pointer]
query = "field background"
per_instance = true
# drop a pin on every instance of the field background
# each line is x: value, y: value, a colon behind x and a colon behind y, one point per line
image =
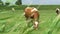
x: 13, y: 22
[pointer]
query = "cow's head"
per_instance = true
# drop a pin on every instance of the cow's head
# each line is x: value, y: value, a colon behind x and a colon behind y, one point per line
x: 36, y: 24
x: 57, y: 10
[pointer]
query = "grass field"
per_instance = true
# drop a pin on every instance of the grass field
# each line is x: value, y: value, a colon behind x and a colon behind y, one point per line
x: 13, y: 22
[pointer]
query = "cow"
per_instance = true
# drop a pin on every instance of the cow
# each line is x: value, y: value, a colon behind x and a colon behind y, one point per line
x: 13, y: 9
x: 57, y: 11
x: 32, y: 13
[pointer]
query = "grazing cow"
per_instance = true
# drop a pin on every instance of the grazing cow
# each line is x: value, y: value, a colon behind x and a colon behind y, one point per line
x: 57, y: 10
x: 13, y: 9
x: 32, y: 13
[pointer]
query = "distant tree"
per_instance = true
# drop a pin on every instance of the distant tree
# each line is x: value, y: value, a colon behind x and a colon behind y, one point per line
x: 19, y: 2
x: 7, y: 3
x: 0, y: 2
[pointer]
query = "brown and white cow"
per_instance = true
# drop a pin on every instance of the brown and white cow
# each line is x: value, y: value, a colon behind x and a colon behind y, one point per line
x: 32, y: 13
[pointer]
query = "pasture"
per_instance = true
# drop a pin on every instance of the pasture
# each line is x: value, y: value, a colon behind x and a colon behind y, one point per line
x: 13, y: 22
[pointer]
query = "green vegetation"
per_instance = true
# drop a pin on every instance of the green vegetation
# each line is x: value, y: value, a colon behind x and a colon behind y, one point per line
x: 13, y: 22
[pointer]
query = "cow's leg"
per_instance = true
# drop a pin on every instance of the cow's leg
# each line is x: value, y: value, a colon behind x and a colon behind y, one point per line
x: 27, y: 21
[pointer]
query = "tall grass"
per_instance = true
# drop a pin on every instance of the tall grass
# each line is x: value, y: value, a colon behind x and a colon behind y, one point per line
x: 13, y: 23
x: 54, y: 26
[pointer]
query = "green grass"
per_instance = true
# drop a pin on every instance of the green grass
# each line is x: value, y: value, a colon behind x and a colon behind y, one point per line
x: 14, y: 22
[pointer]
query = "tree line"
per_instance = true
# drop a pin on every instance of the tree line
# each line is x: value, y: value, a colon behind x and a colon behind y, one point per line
x: 18, y: 2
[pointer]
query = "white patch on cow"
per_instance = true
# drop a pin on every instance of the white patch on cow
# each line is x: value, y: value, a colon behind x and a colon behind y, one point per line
x: 34, y: 10
x: 57, y: 9
x: 36, y: 23
x: 32, y: 14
